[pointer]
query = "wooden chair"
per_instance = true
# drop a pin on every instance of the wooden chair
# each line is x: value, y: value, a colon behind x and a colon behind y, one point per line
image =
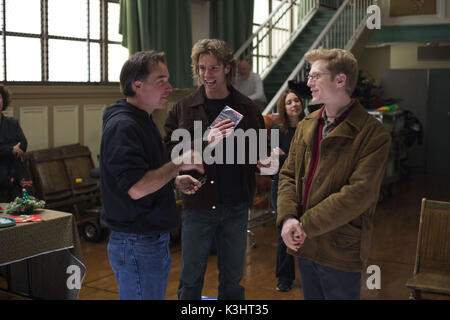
x: 61, y: 177
x: 432, y: 266
x: 50, y: 180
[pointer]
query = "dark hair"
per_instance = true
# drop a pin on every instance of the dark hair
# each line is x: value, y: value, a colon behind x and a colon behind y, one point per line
x: 6, y: 96
x: 283, y: 119
x: 138, y: 67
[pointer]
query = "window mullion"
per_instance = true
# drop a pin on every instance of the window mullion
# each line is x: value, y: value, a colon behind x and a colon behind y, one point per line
x: 44, y: 40
x: 103, y: 40
x: 88, y: 40
x: 4, y: 39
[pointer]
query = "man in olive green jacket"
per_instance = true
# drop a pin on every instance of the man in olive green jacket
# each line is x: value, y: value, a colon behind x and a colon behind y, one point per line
x: 329, y: 184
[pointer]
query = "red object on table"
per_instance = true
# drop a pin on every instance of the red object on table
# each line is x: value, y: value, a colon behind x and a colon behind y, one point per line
x: 27, y: 218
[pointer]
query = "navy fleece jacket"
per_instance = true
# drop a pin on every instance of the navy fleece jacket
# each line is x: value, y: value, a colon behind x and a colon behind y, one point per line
x: 132, y: 145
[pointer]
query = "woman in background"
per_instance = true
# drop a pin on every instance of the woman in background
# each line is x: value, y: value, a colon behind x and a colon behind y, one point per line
x: 290, y: 109
x: 13, y: 145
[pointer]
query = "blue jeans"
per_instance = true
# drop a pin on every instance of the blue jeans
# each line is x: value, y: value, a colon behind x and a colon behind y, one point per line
x: 228, y: 224
x: 320, y: 282
x: 141, y: 264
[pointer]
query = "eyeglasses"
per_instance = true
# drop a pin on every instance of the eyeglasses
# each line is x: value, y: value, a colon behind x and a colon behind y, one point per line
x: 316, y: 76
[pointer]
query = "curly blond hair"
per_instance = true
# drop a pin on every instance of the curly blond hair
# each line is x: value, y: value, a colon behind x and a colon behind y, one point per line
x: 218, y: 48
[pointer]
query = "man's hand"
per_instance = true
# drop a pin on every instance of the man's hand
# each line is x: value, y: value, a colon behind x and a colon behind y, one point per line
x: 270, y: 166
x: 17, y: 152
x: 277, y: 151
x: 292, y: 234
x: 220, y: 131
x: 187, y: 184
x: 190, y: 160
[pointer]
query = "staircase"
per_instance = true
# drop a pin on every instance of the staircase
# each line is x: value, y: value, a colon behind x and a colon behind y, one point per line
x: 318, y: 25
x: 299, y: 46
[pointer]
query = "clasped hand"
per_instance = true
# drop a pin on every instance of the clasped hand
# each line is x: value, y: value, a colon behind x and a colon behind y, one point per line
x: 17, y: 152
x: 293, y: 234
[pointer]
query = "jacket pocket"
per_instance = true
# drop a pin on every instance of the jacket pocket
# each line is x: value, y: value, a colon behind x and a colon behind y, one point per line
x: 345, y: 248
x: 341, y: 240
x: 342, y: 248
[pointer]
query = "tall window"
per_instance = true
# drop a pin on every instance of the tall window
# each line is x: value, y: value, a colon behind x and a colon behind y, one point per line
x: 263, y: 51
x: 60, y: 41
x: 272, y: 38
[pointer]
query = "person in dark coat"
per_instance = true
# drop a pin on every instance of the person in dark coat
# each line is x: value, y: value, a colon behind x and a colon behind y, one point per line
x: 290, y: 110
x: 138, y: 180
x: 220, y: 209
x: 13, y: 145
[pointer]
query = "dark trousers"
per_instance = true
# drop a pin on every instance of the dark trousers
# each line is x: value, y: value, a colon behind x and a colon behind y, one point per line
x: 285, y: 263
x: 228, y: 224
x: 320, y: 282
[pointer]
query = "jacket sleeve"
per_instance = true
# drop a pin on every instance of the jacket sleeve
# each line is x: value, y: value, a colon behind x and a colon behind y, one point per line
x: 170, y: 126
x: 14, y: 135
x: 260, y: 124
x: 125, y: 161
x: 6, y: 150
x: 358, y: 195
x: 21, y: 138
x: 288, y: 201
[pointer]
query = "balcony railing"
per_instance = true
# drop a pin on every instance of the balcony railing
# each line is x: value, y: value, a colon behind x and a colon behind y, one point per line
x: 273, y: 37
x: 341, y: 32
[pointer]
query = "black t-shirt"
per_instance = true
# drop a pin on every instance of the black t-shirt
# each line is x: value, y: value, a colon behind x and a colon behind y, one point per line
x: 230, y: 177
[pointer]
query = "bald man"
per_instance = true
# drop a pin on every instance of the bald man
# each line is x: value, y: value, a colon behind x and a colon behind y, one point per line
x: 250, y: 84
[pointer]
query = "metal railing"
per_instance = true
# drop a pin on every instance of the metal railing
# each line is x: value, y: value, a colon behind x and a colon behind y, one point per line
x: 341, y: 32
x: 273, y: 37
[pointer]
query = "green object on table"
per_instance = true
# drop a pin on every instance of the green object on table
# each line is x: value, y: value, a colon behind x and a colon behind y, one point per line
x: 26, y: 196
x: 25, y: 205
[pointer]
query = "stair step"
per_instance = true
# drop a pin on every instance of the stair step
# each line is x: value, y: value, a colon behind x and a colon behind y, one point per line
x: 273, y: 85
x: 278, y: 77
x: 289, y: 65
x: 298, y: 46
x: 296, y: 51
x: 326, y: 13
x: 316, y: 28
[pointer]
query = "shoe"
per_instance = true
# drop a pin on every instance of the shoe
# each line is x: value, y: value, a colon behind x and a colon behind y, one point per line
x: 284, y: 287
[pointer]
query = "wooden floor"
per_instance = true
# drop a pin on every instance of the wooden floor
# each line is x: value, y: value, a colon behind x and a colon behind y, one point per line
x: 393, y: 250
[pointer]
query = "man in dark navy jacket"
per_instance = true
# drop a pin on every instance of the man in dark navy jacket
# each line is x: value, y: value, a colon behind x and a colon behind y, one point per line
x: 138, y: 180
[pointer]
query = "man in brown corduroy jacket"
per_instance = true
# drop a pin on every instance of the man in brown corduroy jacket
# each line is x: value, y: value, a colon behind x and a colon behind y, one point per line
x: 329, y: 184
